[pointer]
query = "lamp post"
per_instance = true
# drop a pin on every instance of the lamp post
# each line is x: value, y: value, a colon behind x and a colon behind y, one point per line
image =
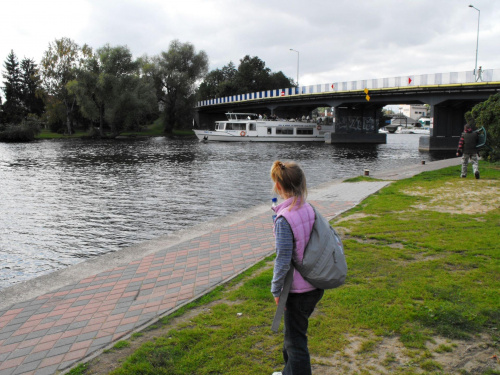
x: 298, y: 54
x: 477, y: 41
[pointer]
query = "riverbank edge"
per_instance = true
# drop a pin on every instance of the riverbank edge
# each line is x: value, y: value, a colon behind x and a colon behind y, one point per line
x: 33, y: 288
x: 153, y: 130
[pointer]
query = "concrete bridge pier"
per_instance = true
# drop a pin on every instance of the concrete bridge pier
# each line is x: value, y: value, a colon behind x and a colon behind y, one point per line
x: 357, y: 124
x: 448, y: 123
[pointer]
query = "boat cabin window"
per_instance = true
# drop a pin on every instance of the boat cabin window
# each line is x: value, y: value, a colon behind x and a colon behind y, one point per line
x: 252, y: 127
x: 284, y: 130
x: 269, y: 131
x: 241, y: 116
x: 236, y: 126
x: 304, y: 131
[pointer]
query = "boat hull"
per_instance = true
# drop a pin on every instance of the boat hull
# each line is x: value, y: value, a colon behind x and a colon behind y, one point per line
x: 208, y: 136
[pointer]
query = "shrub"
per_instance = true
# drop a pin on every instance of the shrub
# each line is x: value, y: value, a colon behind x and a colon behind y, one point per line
x: 487, y: 115
x: 21, y: 133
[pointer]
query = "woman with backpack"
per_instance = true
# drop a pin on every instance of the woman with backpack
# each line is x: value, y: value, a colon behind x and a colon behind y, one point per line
x: 292, y: 229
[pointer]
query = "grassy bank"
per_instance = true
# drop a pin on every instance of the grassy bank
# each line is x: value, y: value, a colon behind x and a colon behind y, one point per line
x: 153, y: 130
x: 422, y: 290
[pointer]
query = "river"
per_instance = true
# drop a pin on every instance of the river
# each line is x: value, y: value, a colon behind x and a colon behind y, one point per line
x: 63, y: 201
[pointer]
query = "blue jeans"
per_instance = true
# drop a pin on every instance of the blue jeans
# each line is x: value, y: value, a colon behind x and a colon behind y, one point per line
x: 299, y: 308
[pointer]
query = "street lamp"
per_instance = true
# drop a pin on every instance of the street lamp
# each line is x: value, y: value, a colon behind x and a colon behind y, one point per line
x: 298, y: 54
x: 477, y: 41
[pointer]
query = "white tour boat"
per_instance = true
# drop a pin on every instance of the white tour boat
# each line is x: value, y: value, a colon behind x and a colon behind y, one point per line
x: 248, y: 127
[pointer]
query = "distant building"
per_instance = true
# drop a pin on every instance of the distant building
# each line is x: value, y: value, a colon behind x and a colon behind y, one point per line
x: 414, y: 111
x: 403, y: 121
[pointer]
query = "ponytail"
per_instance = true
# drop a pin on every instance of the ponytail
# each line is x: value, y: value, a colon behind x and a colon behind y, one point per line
x: 291, y: 179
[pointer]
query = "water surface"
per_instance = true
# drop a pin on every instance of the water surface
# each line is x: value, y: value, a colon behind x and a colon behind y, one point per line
x: 63, y: 201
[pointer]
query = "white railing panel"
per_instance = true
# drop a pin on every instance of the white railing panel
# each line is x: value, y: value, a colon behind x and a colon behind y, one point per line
x: 488, y: 75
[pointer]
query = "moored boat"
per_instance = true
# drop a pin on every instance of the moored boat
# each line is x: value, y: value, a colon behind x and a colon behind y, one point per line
x: 413, y: 130
x: 248, y: 127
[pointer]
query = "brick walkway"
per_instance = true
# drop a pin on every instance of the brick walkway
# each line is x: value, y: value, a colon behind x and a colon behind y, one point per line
x: 57, y: 330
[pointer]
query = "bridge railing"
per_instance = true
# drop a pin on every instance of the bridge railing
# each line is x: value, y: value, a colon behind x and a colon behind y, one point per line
x: 436, y: 79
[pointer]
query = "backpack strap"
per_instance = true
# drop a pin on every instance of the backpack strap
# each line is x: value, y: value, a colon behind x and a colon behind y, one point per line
x: 283, y: 297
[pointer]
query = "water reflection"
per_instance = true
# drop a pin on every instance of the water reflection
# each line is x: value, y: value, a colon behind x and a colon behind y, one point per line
x: 62, y: 201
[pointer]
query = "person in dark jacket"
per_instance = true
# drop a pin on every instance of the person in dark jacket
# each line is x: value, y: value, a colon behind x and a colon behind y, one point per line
x: 467, y: 147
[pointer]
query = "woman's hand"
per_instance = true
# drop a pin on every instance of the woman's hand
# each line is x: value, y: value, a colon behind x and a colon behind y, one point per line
x: 277, y: 299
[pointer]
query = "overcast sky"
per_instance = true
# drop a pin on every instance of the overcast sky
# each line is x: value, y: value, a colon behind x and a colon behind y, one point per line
x: 338, y: 40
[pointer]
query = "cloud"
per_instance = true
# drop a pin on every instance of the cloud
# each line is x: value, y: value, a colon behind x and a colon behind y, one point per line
x: 338, y: 40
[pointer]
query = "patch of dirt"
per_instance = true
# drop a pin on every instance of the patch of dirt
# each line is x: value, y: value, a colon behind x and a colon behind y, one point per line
x: 355, y: 216
x: 464, y: 196
x: 395, y: 245
x: 388, y: 356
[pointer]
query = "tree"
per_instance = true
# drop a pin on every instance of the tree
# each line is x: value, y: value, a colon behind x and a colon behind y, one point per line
x: 58, y: 67
x: 279, y: 80
x: 133, y: 104
x: 175, y: 74
x: 130, y: 97
x: 87, y: 91
x: 13, y: 107
x: 252, y: 75
x: 487, y: 115
x: 31, y: 87
x: 109, y: 89
x: 219, y: 83
x: 1, y: 115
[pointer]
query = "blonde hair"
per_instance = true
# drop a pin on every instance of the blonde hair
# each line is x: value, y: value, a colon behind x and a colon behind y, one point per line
x: 291, y: 179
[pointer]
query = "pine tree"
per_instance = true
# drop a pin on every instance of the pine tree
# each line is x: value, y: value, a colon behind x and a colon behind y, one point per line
x: 13, y: 110
x: 2, y: 121
x: 30, y: 87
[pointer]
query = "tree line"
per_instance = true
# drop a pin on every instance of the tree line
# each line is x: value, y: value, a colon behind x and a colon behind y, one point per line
x: 107, y: 91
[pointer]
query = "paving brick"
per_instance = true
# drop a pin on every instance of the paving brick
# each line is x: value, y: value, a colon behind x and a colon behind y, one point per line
x: 10, y: 363
x: 26, y: 368
x: 36, y: 357
x: 60, y: 350
x: 86, y: 336
x: 36, y: 334
x: 21, y: 352
x: 49, y: 370
x: 65, y: 341
x: 15, y: 339
x: 8, y: 371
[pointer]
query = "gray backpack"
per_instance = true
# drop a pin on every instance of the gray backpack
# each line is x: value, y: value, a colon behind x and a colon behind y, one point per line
x: 323, y: 266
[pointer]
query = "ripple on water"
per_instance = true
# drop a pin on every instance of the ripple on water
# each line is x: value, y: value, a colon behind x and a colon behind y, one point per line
x: 65, y: 201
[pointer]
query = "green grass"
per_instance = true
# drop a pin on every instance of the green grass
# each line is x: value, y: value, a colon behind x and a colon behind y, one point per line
x: 361, y: 179
x: 414, y: 273
x: 81, y: 369
x: 47, y: 134
x: 444, y: 349
x: 153, y: 130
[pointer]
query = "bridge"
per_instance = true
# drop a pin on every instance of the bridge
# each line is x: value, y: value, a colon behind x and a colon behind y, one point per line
x: 357, y: 104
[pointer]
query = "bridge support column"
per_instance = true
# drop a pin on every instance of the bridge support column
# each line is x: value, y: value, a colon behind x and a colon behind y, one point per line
x: 448, y: 123
x: 356, y: 125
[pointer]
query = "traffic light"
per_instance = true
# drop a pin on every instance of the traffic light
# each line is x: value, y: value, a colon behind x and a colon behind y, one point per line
x: 367, y: 97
